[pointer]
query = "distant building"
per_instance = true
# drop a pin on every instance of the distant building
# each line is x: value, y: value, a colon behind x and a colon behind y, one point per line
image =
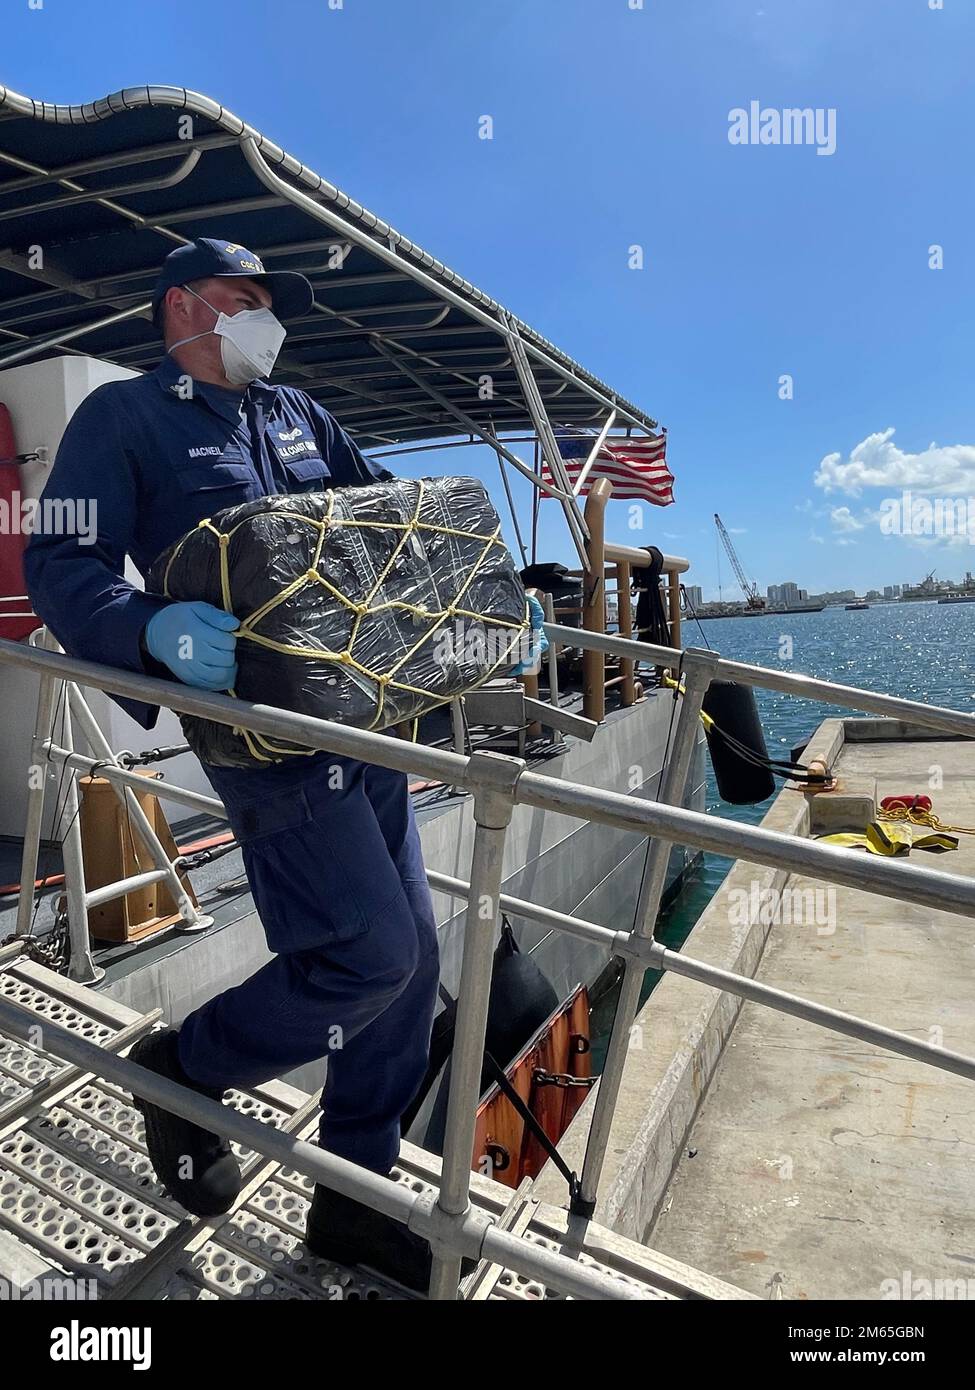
x: 789, y: 594
x: 834, y: 596
x: 889, y: 591
x: 897, y: 590
x: 695, y: 598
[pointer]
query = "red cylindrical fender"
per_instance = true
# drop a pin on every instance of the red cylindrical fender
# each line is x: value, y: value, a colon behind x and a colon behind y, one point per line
x: 12, y: 540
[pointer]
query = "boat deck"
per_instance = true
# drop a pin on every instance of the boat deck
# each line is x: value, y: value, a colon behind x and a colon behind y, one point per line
x: 820, y: 1167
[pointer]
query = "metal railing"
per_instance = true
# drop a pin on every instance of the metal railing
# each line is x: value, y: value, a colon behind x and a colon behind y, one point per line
x: 72, y: 707
x: 498, y: 784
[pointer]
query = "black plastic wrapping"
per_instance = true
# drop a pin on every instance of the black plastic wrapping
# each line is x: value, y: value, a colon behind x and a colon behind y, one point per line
x: 350, y: 611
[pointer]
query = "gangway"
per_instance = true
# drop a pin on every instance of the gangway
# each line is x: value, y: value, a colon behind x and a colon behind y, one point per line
x: 79, y: 1199
x: 453, y: 1213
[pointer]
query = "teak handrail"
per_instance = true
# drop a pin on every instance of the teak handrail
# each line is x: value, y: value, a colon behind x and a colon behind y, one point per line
x: 623, y: 559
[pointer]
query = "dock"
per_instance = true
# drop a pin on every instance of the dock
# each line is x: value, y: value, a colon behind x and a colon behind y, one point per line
x: 791, y: 1161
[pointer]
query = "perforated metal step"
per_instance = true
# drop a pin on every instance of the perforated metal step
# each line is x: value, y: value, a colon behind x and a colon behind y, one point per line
x: 78, y: 1195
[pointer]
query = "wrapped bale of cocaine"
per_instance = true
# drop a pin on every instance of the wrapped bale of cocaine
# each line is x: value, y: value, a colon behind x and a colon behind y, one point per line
x: 366, y: 605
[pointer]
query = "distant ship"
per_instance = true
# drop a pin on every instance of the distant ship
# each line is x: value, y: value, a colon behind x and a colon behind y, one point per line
x: 741, y: 611
x: 855, y: 607
x: 943, y: 591
x: 797, y: 608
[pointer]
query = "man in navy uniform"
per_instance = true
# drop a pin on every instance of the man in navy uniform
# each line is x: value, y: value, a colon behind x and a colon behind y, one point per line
x: 329, y: 843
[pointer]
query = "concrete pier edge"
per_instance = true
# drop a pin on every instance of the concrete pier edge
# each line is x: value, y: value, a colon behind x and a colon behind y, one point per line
x: 683, y: 1029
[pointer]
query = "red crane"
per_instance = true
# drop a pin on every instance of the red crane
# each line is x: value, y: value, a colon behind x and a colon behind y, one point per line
x: 753, y: 598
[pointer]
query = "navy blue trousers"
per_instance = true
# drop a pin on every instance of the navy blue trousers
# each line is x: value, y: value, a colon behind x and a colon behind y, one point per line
x: 333, y: 859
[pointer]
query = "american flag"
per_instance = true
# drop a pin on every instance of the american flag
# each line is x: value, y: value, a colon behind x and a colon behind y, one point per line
x: 636, y: 467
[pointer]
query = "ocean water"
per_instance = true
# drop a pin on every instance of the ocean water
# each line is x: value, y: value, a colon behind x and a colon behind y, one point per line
x: 919, y: 651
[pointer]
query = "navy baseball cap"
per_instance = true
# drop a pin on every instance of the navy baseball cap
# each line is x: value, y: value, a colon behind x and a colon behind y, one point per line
x: 291, y: 294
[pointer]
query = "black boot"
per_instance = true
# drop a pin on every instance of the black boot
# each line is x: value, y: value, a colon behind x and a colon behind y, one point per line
x: 349, y: 1233
x: 196, y: 1167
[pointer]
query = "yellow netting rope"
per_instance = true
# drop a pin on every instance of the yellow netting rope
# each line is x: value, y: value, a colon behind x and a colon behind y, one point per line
x: 382, y: 679
x: 917, y: 816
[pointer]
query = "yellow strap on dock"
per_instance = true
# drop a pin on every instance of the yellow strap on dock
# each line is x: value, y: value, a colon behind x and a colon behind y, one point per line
x: 891, y: 839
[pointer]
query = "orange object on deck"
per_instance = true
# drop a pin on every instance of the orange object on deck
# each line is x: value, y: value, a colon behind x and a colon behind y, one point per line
x: 560, y: 1050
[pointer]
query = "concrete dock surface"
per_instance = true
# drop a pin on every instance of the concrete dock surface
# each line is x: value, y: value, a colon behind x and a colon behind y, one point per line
x: 820, y: 1167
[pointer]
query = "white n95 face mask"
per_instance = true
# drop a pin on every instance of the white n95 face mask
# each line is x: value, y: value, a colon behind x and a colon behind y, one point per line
x: 250, y: 341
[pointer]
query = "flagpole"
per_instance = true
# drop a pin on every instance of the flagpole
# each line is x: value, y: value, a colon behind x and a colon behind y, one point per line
x: 536, y: 498
x: 600, y: 441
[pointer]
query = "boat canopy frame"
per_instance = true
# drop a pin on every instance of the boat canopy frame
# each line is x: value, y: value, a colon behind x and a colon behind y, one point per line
x: 397, y: 346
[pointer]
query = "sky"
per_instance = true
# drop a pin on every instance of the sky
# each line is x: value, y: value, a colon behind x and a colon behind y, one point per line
x: 802, y: 321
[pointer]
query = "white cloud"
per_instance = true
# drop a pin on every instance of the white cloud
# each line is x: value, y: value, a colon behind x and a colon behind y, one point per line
x: 937, y: 542
x: 878, y: 462
x: 843, y: 520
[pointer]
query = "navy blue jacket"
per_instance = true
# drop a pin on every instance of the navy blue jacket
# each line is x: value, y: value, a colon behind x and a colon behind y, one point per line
x: 154, y: 455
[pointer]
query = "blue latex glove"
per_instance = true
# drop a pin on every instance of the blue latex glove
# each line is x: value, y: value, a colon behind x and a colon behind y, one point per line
x: 539, y: 642
x: 197, y: 642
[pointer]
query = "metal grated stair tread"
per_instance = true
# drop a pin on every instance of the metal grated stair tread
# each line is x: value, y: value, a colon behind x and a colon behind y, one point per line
x: 78, y: 1194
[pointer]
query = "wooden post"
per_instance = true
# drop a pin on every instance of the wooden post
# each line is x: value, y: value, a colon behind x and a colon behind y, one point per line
x: 594, y: 601
x: 113, y: 852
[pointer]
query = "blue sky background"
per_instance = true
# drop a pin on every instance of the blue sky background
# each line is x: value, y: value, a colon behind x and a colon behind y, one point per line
x: 611, y: 128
